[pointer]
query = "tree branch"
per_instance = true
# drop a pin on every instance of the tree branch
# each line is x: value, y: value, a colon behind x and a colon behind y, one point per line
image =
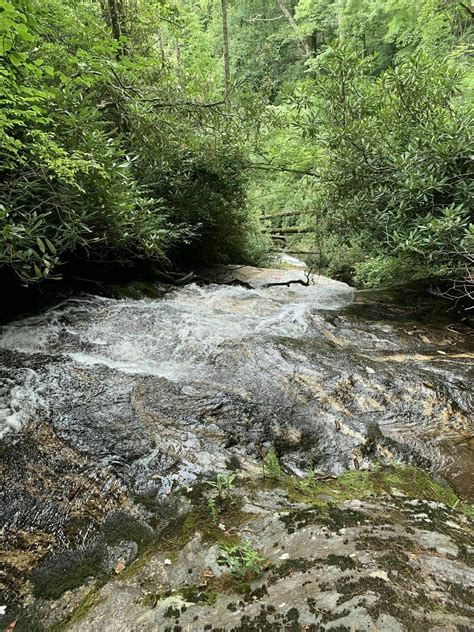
x: 156, y: 101
x: 306, y: 283
x: 469, y: 9
x: 183, y: 104
x: 294, y: 26
x: 258, y: 18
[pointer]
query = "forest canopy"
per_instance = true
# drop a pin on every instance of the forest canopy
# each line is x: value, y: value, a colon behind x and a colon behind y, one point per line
x: 186, y: 132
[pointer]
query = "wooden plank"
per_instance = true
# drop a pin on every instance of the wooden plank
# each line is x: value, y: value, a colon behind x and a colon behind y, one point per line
x: 294, y: 252
x: 286, y: 214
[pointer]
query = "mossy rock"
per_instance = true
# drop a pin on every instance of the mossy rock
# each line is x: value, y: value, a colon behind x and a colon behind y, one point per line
x: 66, y: 570
x: 359, y: 484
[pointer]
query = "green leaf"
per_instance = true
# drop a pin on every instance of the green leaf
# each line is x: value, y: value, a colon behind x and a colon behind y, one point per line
x: 17, y: 58
x: 50, y: 245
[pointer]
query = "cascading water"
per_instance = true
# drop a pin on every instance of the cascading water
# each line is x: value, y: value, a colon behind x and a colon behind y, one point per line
x: 110, y: 405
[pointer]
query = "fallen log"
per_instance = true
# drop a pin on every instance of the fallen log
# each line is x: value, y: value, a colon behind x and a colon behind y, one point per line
x: 286, y: 214
x: 289, y: 230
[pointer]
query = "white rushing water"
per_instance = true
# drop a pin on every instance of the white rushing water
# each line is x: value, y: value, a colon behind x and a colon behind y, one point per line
x: 252, y: 366
x: 174, y: 337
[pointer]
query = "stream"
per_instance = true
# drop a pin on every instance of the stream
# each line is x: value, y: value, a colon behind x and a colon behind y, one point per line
x: 109, y: 406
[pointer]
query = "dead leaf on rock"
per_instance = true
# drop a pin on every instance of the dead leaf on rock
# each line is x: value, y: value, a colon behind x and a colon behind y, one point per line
x: 120, y: 566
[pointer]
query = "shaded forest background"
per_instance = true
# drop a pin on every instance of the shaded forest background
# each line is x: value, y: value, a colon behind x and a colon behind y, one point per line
x: 165, y: 130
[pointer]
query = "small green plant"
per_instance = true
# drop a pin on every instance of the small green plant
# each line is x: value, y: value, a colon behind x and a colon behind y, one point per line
x: 211, y: 505
x: 242, y: 559
x: 271, y: 465
x: 309, y: 480
x: 223, y: 485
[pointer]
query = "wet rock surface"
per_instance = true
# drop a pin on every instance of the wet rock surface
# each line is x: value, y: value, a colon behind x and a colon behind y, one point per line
x: 110, y: 407
x: 382, y: 561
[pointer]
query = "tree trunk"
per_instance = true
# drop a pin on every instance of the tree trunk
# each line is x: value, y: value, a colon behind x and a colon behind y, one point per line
x: 114, y: 15
x: 225, y: 37
x: 304, y: 44
x: 104, y: 7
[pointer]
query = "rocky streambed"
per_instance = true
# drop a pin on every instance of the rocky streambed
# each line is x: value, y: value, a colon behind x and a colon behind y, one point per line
x: 115, y: 411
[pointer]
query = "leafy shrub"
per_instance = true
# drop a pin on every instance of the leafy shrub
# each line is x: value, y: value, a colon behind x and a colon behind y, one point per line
x: 387, y: 270
x: 67, y: 183
x: 103, y: 153
x: 394, y: 170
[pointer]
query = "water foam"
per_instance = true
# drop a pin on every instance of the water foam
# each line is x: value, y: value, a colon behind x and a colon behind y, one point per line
x: 178, y: 337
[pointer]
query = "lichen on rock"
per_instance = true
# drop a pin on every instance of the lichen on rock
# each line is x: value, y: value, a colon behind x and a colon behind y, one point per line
x: 371, y: 560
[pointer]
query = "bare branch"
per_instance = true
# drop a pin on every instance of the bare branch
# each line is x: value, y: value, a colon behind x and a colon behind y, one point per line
x: 469, y: 9
x: 306, y: 283
x: 258, y: 18
x: 460, y: 290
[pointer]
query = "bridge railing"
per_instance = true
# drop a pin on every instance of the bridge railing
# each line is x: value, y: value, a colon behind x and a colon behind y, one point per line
x: 280, y: 233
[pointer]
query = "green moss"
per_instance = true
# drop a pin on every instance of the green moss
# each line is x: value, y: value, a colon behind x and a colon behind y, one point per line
x: 151, y: 600
x: 196, y: 594
x: 188, y: 593
x: 398, y: 562
x: 349, y: 588
x: 374, y: 543
x: 463, y: 597
x: 344, y: 562
x: 415, y: 483
x: 198, y: 520
x: 229, y: 584
x: 415, y: 607
x: 466, y: 508
x: 206, y: 592
x: 328, y: 514
x: 357, y: 484
x: 288, y: 567
x: 140, y: 562
x: 66, y: 570
x: 465, y: 554
x: 122, y: 526
x: 85, y: 606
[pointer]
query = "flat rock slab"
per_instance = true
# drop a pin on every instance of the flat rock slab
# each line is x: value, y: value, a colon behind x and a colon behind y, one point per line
x: 322, y: 292
x: 383, y: 563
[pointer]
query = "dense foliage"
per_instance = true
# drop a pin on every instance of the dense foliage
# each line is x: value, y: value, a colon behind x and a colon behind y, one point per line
x: 395, y: 159
x: 371, y: 141
x: 349, y: 122
x: 113, y: 147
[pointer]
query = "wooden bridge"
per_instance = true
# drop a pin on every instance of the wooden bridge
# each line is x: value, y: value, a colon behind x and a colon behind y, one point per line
x: 279, y: 233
